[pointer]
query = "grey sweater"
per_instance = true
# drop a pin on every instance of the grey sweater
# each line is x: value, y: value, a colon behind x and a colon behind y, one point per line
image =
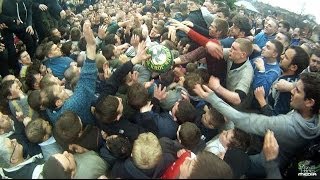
x: 291, y: 130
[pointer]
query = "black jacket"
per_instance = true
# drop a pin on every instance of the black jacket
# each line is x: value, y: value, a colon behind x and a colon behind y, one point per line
x: 13, y: 9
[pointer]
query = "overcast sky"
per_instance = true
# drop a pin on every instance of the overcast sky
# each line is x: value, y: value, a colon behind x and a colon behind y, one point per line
x: 310, y: 6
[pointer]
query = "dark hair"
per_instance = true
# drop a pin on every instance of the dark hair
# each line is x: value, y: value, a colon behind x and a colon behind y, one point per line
x: 216, y: 118
x: 311, y: 82
x: 110, y: 39
x: 30, y: 79
x: 119, y: 146
x: 53, y: 169
x: 189, y: 135
x: 67, y: 127
x: 82, y: 44
x: 166, y: 78
x: 34, y: 100
x: 210, y: 166
x: 186, y: 112
x: 5, y: 88
x: 222, y: 26
x: 137, y: 96
x: 301, y: 58
x: 243, y: 23
x: 66, y: 48
x: 106, y: 109
x: 285, y: 24
x: 225, y: 11
x: 278, y: 47
x: 240, y: 140
x: 107, y: 51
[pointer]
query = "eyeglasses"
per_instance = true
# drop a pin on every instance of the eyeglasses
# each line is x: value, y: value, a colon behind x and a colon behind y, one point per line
x: 14, y: 149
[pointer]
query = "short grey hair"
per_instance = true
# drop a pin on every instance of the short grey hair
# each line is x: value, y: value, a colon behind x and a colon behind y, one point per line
x: 4, y: 153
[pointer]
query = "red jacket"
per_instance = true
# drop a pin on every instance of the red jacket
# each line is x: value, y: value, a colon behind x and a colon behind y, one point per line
x: 174, y: 170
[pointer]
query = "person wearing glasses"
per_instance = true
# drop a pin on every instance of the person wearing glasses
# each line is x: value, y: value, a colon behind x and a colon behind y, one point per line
x: 14, y: 165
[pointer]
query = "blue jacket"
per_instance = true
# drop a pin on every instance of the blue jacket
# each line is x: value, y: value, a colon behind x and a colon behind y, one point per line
x: 266, y: 78
x: 58, y: 65
x: 83, y: 96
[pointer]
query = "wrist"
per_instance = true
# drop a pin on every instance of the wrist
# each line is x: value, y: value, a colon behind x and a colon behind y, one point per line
x: 217, y: 88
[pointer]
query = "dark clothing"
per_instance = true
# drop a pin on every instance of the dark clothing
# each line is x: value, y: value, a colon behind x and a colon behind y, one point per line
x: 124, y: 127
x: 90, y: 139
x: 207, y: 134
x: 12, y: 11
x: 4, y: 63
x: 24, y: 172
x: 127, y: 170
x: 44, y: 21
x: 173, y: 146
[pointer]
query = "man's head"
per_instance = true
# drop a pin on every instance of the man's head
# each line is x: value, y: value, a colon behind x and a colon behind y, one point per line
x: 38, y: 131
x: 219, y: 28
x: 241, y: 27
x: 294, y: 60
x: 223, y: 13
x: 137, y: 96
x: 6, y: 124
x: 314, y: 62
x: 183, y: 111
x: 35, y: 100
x: 305, y: 97
x: 54, y: 96
x: 296, y: 33
x: 33, y: 78
x: 108, y: 109
x: 235, y: 138
x: 284, y: 26
x: 49, y: 80
x: 284, y: 38
x: 191, y: 79
x: 270, y: 27
x: 24, y: 57
x: 11, y: 89
x: 52, y: 50
x: 193, y: 5
x: 146, y: 151
x: 68, y: 127
x: 272, y: 50
x: 149, y: 3
x: 212, y: 118
x: 205, y: 165
x: 189, y: 135
x: 56, y: 32
x: 119, y: 146
x: 11, y: 152
x: 60, y: 166
x: 240, y: 50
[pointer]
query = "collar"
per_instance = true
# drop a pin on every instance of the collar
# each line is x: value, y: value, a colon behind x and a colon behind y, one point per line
x: 51, y: 140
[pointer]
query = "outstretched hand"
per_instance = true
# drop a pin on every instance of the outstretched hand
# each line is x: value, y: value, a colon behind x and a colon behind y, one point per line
x: 202, y: 91
x: 215, y: 50
x: 89, y: 37
x: 270, y: 146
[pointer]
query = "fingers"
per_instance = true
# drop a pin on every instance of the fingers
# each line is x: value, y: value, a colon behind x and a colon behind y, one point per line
x: 207, y: 89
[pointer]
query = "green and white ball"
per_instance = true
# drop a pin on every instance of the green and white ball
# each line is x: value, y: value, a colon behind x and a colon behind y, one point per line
x: 161, y: 59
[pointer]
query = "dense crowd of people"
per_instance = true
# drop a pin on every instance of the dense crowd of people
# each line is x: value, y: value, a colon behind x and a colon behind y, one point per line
x: 78, y: 100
